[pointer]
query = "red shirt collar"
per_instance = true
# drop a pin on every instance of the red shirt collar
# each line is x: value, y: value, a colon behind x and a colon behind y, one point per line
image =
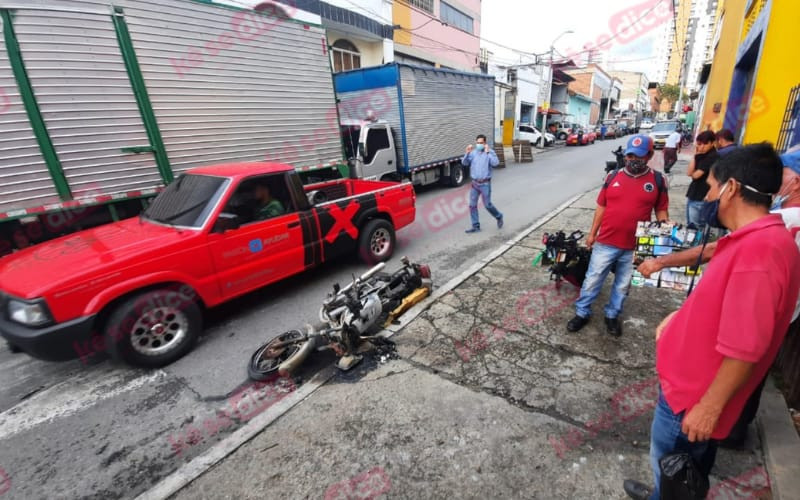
x: 768, y: 220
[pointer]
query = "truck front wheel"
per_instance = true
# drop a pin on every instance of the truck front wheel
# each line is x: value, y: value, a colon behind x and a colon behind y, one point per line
x: 153, y: 328
x: 456, y: 174
x: 376, y: 241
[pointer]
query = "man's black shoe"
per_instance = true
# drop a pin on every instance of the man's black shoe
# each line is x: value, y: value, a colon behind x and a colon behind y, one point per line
x: 637, y: 490
x: 613, y: 327
x: 577, y: 323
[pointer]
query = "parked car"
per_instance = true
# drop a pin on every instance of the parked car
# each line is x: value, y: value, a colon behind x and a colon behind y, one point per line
x: 564, y: 129
x: 612, y: 128
x: 646, y: 124
x: 662, y: 130
x: 137, y: 288
x: 586, y: 137
x: 534, y: 135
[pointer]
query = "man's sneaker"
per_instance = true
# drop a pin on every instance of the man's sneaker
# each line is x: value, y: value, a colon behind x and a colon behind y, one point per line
x: 500, y: 223
x: 577, y: 323
x: 613, y: 326
x: 473, y: 230
x: 637, y: 490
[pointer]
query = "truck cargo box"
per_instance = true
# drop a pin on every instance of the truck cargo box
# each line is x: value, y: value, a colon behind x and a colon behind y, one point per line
x: 103, y: 100
x: 434, y: 113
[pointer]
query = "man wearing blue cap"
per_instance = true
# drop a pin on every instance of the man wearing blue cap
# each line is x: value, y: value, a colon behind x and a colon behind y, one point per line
x: 628, y: 196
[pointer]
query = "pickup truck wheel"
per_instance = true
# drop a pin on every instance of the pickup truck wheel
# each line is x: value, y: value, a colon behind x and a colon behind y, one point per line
x: 153, y: 329
x: 376, y: 242
x: 456, y: 174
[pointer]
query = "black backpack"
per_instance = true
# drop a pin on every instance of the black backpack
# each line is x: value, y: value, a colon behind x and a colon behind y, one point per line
x: 660, y: 184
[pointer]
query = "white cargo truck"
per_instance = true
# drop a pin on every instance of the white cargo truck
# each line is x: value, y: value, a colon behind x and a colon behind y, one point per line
x: 421, y: 120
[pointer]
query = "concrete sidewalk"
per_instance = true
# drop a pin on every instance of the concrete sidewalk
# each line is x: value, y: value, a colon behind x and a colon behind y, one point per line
x: 488, y: 397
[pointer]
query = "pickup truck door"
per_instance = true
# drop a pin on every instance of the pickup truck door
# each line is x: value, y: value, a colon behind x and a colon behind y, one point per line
x: 377, y: 152
x: 263, y: 249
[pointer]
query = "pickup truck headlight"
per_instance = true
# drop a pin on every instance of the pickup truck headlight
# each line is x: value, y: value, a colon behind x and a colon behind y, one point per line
x: 34, y: 313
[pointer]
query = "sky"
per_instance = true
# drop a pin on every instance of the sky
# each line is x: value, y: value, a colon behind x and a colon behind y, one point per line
x: 532, y: 26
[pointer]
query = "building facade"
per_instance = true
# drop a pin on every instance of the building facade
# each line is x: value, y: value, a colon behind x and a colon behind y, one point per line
x: 634, y: 91
x: 724, y: 47
x: 438, y: 33
x: 602, y: 88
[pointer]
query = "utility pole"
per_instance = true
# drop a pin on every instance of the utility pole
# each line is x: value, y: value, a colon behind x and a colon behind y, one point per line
x: 546, y: 104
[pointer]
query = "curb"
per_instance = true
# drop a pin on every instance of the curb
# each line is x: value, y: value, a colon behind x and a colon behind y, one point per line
x: 415, y: 311
x: 190, y: 471
x: 781, y: 444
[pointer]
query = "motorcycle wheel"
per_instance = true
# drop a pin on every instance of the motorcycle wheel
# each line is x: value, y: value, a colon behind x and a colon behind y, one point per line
x: 265, y: 361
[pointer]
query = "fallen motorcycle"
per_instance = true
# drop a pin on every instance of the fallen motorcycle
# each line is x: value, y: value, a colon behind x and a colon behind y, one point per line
x: 567, y: 260
x: 619, y: 163
x: 347, y: 315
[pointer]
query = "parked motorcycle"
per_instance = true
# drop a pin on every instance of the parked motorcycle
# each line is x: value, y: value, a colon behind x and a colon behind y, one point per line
x: 616, y: 164
x: 347, y: 315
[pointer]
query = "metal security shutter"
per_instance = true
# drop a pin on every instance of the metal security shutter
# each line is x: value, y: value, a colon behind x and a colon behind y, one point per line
x: 444, y: 112
x: 24, y: 178
x: 383, y: 102
x: 79, y: 78
x: 222, y: 92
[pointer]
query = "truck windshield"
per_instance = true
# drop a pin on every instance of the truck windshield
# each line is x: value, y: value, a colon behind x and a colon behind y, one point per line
x: 187, y: 201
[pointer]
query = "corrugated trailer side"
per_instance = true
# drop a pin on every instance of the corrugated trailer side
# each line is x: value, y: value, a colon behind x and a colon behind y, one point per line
x: 433, y: 113
x: 443, y: 112
x: 103, y: 101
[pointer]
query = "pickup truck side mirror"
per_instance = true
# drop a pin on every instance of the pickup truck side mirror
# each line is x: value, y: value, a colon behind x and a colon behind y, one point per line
x: 226, y: 222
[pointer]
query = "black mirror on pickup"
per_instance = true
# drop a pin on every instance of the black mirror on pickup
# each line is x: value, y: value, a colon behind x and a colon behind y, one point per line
x: 226, y: 222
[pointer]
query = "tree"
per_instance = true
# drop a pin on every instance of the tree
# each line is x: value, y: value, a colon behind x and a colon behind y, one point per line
x: 669, y: 92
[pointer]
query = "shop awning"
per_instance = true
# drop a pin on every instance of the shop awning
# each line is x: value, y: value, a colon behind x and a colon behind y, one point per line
x: 550, y: 111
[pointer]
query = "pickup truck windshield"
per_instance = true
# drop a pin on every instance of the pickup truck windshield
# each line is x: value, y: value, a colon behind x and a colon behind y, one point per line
x: 187, y: 201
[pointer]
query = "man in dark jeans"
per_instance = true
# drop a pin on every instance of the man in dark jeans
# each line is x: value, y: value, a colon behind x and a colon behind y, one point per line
x: 715, y: 350
x: 787, y: 204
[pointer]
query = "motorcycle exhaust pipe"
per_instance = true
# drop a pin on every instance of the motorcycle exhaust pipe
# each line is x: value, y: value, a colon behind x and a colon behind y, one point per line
x: 289, y: 366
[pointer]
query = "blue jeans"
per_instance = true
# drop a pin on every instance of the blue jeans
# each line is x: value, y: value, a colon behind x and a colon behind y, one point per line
x: 485, y: 191
x: 694, y: 213
x: 666, y: 437
x: 604, y: 257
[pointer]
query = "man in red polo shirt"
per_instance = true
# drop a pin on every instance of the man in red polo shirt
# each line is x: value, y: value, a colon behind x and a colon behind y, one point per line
x: 628, y: 196
x: 713, y: 352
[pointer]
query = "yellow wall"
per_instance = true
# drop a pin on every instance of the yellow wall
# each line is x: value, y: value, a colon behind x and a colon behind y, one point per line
x: 719, y: 81
x: 677, y: 52
x: 777, y: 73
x: 401, y: 14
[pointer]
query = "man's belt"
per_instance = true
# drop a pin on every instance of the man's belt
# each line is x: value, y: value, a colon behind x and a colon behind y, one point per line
x: 482, y: 181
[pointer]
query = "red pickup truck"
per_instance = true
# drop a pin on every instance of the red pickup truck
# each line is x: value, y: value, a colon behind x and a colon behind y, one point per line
x: 137, y: 288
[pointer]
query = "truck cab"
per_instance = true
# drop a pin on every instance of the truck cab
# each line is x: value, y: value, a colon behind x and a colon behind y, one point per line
x: 370, y: 149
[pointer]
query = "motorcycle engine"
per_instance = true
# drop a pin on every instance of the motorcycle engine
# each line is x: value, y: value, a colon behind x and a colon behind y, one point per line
x: 370, y: 311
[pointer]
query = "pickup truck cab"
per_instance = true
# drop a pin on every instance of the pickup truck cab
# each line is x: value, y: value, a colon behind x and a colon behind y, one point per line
x: 136, y: 288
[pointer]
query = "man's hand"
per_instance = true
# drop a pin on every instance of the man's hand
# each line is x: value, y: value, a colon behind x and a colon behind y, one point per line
x: 700, y: 422
x: 649, y: 266
x: 469, y: 148
x: 590, y: 241
x: 664, y: 323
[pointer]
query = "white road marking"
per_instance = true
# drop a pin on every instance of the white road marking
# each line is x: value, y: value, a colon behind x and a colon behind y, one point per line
x: 70, y: 396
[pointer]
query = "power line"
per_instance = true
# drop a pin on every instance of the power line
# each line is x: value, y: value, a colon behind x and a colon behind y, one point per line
x: 616, y: 35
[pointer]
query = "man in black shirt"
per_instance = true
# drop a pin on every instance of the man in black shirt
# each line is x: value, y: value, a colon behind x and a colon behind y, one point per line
x: 699, y: 167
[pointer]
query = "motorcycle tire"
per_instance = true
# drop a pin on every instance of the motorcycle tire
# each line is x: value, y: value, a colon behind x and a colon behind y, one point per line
x: 265, y: 361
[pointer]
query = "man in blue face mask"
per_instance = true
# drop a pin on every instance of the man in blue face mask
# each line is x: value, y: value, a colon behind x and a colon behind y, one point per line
x: 480, y: 161
x: 715, y: 351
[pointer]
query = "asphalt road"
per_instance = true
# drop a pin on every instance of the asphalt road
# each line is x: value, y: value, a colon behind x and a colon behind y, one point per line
x: 69, y: 430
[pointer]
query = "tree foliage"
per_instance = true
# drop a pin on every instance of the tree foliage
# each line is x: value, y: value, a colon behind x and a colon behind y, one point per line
x: 670, y: 92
